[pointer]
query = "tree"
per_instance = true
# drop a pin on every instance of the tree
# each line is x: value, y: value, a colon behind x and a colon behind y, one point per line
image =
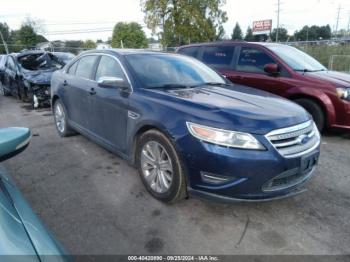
x: 282, y: 34
x: 26, y: 36
x: 89, y: 44
x: 237, y: 33
x: 312, y: 33
x: 129, y: 35
x: 249, y: 35
x: 181, y: 22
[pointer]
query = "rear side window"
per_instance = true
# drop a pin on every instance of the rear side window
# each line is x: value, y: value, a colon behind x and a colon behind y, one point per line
x: 109, y: 67
x: 189, y: 51
x: 85, y: 66
x: 253, y: 60
x: 218, y: 56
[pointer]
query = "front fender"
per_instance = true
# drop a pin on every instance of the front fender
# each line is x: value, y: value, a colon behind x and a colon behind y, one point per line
x: 316, y: 95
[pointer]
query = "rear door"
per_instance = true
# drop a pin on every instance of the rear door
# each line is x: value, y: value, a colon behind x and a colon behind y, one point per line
x: 78, y: 86
x: 219, y: 57
x: 109, y: 106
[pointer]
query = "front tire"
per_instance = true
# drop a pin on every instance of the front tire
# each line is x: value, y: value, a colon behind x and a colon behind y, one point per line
x: 160, y: 167
x: 315, y: 111
x: 61, y: 120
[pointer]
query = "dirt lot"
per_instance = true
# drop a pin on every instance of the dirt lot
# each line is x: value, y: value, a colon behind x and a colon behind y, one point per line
x: 96, y: 204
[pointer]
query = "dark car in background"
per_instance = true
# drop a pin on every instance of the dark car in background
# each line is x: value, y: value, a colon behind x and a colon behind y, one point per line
x: 23, y: 237
x: 282, y: 70
x: 27, y: 75
x: 185, y: 127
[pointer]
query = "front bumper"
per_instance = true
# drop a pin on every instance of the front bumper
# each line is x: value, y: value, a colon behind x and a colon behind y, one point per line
x: 246, y: 175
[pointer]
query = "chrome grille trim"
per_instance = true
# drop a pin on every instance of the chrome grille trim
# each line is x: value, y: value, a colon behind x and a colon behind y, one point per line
x: 289, y: 141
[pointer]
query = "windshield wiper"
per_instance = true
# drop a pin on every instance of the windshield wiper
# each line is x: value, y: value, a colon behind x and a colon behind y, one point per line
x: 213, y: 84
x: 308, y: 70
x: 170, y: 86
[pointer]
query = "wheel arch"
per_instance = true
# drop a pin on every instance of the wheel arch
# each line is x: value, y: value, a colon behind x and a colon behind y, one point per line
x: 324, y: 103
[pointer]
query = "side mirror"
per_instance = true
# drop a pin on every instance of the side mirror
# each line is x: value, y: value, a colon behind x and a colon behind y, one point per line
x: 113, y: 82
x: 13, y: 141
x: 272, y: 69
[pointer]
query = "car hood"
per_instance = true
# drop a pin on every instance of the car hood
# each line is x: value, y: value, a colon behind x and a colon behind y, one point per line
x: 38, y: 77
x: 338, y: 78
x: 237, y: 108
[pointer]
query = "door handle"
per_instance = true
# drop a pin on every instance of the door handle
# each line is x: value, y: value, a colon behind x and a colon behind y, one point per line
x: 92, y: 91
x: 65, y: 83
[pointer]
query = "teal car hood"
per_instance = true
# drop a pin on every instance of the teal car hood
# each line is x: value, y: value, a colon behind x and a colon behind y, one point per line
x: 21, y: 231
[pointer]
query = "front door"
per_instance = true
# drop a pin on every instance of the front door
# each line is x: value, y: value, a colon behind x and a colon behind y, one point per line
x: 249, y: 70
x: 109, y: 106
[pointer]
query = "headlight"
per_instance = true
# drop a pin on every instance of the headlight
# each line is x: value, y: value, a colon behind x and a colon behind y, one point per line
x: 343, y: 93
x: 224, y: 137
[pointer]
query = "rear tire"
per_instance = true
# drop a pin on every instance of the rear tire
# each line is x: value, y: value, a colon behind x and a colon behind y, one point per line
x: 315, y: 111
x: 161, y: 171
x: 61, y: 120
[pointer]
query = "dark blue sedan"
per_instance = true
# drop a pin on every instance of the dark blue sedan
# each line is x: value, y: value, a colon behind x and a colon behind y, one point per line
x: 186, y: 128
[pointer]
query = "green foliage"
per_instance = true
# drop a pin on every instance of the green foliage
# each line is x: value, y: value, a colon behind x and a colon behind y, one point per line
x: 282, y: 34
x: 89, y: 44
x: 249, y: 37
x: 314, y: 32
x: 185, y: 21
x: 130, y: 35
x: 73, y: 46
x: 237, y: 33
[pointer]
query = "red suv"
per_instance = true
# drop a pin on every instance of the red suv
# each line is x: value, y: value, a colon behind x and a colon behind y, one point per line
x: 285, y: 71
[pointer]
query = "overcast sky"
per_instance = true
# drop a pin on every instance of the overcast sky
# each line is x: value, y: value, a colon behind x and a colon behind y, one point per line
x: 71, y: 16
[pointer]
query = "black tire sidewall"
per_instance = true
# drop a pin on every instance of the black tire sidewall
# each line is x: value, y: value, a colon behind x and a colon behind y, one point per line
x: 177, y: 182
x: 315, y: 111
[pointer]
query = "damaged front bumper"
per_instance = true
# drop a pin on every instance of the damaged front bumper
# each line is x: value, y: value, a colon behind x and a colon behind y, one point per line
x: 41, y: 96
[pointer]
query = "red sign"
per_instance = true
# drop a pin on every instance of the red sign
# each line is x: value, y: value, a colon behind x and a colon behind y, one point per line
x: 262, y: 27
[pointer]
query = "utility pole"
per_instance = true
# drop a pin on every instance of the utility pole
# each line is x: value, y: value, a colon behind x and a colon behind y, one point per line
x: 278, y: 18
x: 5, y: 45
x: 349, y: 26
x: 338, y: 17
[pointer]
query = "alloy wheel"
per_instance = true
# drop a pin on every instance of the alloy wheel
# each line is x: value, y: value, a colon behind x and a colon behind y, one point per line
x: 156, y: 167
x: 60, y: 118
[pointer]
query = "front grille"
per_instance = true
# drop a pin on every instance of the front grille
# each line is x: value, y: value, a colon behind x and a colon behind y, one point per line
x: 296, y: 140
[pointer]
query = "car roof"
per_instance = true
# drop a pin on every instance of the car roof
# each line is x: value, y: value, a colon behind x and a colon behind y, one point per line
x: 123, y: 51
x: 30, y: 52
x: 230, y: 42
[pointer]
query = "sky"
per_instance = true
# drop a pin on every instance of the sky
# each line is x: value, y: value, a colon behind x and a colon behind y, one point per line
x: 65, y: 19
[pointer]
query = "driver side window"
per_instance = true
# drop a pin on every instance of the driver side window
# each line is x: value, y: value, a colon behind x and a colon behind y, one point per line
x: 253, y: 60
x: 109, y: 67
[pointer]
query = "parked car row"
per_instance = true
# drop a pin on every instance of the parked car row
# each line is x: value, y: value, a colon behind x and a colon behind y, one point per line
x: 27, y: 75
x: 285, y: 71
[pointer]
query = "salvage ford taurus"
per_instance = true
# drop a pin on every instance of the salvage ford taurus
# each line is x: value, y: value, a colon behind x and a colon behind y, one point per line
x: 185, y: 128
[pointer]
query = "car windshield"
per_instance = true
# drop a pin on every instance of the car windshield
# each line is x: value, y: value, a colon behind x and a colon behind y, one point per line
x: 296, y: 59
x: 171, y: 71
